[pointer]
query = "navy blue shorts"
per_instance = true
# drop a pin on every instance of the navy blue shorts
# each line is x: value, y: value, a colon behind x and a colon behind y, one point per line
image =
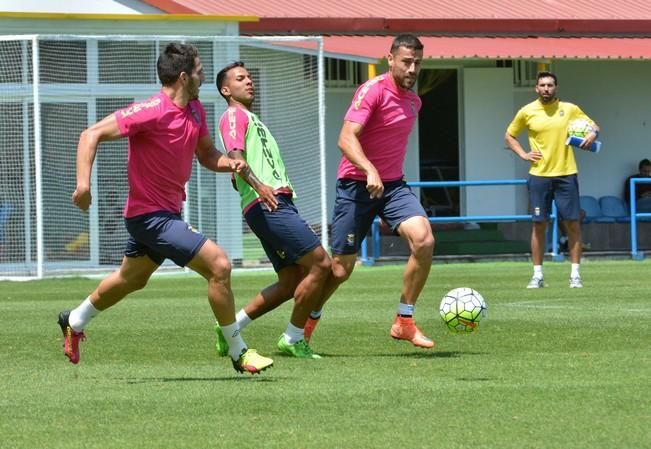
x: 284, y: 235
x: 355, y: 211
x: 563, y: 189
x: 162, y: 235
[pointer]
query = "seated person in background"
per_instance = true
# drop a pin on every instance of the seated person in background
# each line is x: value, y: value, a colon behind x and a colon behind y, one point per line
x: 642, y: 191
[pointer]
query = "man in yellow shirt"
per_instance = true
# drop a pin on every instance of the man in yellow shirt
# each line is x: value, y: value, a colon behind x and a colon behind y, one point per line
x: 553, y: 173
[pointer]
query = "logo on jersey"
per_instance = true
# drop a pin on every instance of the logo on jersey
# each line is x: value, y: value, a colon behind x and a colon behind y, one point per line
x: 137, y: 107
x: 561, y: 113
x: 195, y: 114
x: 364, y: 90
x: 281, y: 253
x: 232, y: 124
x: 266, y: 152
x: 413, y: 107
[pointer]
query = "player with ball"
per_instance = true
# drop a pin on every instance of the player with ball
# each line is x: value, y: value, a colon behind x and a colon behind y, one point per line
x: 370, y: 183
x: 553, y: 173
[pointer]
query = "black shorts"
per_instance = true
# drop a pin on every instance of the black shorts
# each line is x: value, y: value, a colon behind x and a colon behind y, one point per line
x: 284, y: 235
x: 562, y: 189
x: 162, y: 235
x: 355, y: 211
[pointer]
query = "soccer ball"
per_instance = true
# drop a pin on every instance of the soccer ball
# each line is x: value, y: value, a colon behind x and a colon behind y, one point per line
x: 579, y: 128
x: 462, y: 309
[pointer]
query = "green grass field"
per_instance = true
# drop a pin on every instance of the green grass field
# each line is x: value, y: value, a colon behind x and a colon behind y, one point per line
x: 550, y: 368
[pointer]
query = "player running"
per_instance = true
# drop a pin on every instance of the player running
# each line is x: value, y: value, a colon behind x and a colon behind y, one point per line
x: 370, y: 182
x: 165, y: 132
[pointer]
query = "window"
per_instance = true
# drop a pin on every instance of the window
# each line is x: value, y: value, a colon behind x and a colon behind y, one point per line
x: 342, y: 73
x: 525, y: 72
x: 338, y: 72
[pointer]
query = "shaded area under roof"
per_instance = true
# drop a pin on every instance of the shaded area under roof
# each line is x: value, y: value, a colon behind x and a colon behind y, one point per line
x: 373, y: 48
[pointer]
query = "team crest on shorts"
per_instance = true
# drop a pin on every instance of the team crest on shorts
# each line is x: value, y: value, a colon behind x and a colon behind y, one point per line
x: 350, y: 239
x: 281, y: 253
x: 536, y: 211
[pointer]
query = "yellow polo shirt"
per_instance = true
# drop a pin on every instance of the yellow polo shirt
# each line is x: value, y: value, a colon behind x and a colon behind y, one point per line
x: 547, y: 128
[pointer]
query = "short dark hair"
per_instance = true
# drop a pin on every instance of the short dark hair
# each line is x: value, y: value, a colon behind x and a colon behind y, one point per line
x: 643, y: 163
x: 174, y: 60
x: 221, y: 76
x: 546, y: 75
x: 406, y: 40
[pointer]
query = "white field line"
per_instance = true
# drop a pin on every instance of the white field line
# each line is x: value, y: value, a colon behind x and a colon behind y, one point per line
x: 547, y: 305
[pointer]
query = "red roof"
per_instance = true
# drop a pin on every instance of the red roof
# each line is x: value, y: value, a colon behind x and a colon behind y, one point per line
x: 493, y: 29
x: 423, y: 9
x: 428, y: 16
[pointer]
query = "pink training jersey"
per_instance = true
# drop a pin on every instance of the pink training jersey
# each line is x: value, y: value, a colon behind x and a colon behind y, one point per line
x: 387, y: 114
x: 162, y: 142
x: 232, y: 127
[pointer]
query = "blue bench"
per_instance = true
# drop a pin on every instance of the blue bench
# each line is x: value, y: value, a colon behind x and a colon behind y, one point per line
x: 614, y: 207
x: 593, y: 212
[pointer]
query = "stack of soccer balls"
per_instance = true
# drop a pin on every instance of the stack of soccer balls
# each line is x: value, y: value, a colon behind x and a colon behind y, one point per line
x: 462, y: 309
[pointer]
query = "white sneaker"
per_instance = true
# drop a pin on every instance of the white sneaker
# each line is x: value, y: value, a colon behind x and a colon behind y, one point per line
x: 536, y: 283
x: 576, y: 282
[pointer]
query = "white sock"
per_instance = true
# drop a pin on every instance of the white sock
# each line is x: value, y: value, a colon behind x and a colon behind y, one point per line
x: 82, y: 315
x: 235, y: 343
x: 293, y: 334
x: 537, y: 271
x: 242, y: 319
x: 405, y: 309
x: 575, y: 271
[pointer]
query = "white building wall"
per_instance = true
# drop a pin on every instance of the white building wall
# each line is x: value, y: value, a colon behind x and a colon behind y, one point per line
x: 614, y: 93
x: 412, y: 159
x: 79, y: 6
x: 337, y: 103
x: 118, y: 27
x: 94, y: 26
x: 483, y: 145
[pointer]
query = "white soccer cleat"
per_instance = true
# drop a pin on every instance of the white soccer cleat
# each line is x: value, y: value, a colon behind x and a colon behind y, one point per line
x: 536, y: 283
x: 576, y: 282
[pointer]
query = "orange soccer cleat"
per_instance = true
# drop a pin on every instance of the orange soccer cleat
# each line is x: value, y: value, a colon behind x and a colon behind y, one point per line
x: 404, y: 328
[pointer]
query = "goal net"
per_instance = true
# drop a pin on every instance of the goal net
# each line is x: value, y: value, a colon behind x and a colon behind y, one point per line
x: 53, y: 87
